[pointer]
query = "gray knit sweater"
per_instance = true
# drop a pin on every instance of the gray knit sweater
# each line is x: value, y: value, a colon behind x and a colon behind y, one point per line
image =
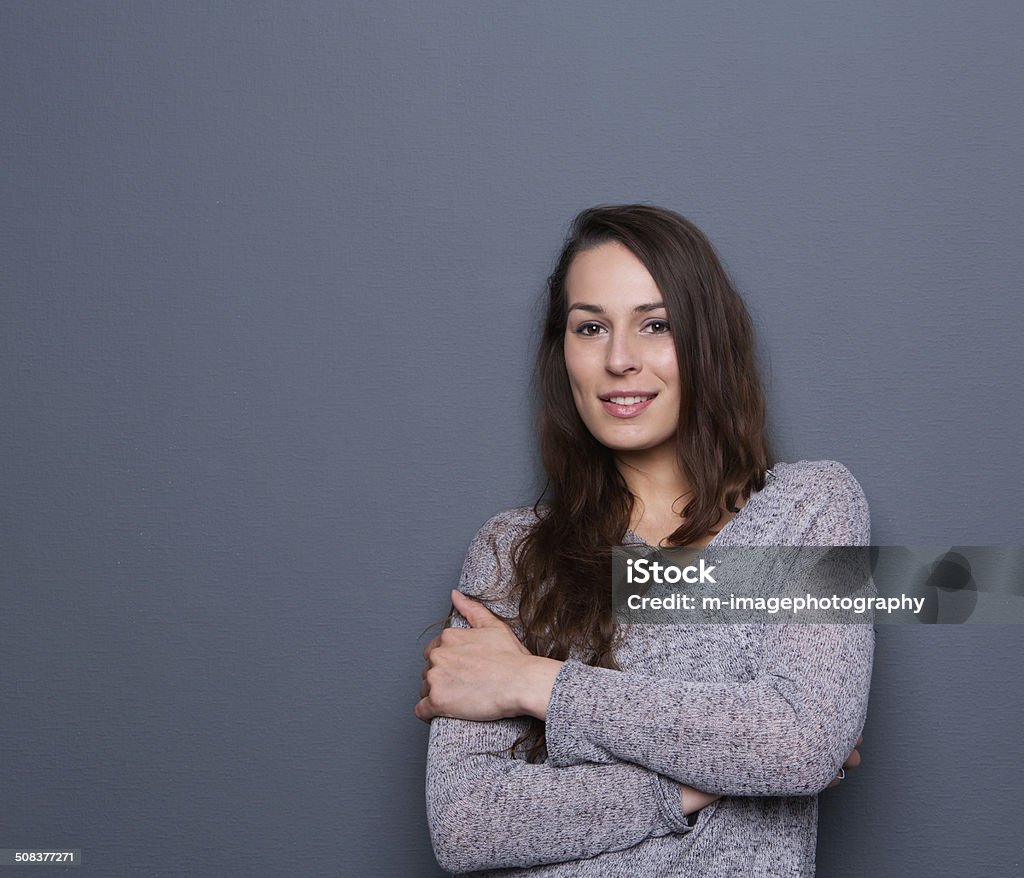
x: 764, y: 714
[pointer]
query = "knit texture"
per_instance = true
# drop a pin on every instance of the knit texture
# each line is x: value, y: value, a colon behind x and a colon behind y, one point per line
x: 765, y: 714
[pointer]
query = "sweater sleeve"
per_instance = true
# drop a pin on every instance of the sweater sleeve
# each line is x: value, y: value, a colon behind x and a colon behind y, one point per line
x: 786, y: 731
x: 487, y: 810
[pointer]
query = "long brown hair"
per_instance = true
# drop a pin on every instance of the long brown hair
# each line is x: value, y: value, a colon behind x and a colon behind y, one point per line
x: 562, y: 566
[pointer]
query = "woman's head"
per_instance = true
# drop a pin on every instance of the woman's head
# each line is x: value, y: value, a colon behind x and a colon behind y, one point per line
x: 620, y: 358
x: 688, y: 350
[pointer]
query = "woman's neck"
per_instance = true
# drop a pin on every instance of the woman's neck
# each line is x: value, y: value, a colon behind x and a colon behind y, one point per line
x: 661, y: 491
x: 659, y: 485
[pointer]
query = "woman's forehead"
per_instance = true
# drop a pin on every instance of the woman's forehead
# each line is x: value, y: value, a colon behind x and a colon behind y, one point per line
x: 610, y: 276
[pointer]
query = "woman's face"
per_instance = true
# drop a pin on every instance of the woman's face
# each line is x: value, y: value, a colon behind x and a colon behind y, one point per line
x: 619, y: 351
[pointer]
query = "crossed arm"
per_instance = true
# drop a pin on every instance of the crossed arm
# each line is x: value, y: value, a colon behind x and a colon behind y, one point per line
x: 603, y: 789
x: 629, y: 755
x: 484, y: 673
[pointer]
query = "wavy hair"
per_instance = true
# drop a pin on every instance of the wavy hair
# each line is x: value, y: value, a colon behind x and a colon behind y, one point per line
x: 562, y: 566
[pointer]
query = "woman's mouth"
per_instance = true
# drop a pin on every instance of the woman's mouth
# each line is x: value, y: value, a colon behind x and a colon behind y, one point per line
x: 626, y: 405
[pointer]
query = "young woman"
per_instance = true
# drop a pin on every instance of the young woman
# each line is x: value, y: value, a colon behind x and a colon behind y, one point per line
x: 563, y: 744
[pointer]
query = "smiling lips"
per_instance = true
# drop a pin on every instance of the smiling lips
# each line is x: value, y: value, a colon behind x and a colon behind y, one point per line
x: 626, y: 404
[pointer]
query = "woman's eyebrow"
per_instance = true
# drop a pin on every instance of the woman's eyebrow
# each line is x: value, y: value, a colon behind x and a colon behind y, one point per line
x: 597, y: 309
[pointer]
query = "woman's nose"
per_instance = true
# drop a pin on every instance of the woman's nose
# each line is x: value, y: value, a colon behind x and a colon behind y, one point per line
x: 623, y: 354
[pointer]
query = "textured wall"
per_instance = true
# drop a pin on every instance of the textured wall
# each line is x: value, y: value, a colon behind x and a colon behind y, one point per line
x: 269, y: 277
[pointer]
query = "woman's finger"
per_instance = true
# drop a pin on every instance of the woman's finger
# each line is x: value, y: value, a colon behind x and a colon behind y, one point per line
x: 423, y: 711
x: 474, y: 612
x: 434, y: 644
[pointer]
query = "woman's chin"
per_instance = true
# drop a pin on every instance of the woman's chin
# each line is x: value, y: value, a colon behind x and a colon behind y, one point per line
x: 638, y: 446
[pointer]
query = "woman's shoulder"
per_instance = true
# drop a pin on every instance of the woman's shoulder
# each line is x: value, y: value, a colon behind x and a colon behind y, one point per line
x: 813, y: 477
x: 822, y: 499
x: 487, y: 570
x: 517, y: 520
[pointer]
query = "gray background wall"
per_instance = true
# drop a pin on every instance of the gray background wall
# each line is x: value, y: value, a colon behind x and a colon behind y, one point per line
x: 269, y: 281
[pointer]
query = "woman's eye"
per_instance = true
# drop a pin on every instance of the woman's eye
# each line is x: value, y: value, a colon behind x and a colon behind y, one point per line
x: 657, y: 327
x: 588, y: 329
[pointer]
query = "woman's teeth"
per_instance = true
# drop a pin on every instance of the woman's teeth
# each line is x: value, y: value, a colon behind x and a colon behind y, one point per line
x: 628, y: 400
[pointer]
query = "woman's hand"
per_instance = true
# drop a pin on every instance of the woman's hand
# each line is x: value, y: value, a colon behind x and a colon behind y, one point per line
x: 693, y: 799
x: 483, y: 673
x: 852, y: 761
